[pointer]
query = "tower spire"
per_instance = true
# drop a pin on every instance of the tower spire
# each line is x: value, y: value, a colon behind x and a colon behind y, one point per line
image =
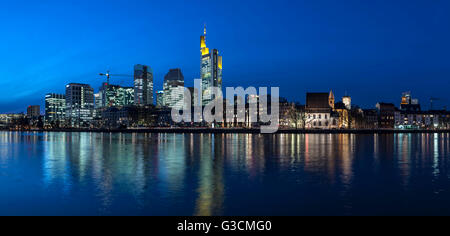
x: 204, y: 50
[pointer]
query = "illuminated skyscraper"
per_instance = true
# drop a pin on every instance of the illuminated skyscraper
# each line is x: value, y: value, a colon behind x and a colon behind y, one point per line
x: 210, y: 70
x: 55, y: 107
x: 114, y: 95
x: 79, y: 104
x: 98, y: 100
x: 143, y: 85
x: 174, y: 89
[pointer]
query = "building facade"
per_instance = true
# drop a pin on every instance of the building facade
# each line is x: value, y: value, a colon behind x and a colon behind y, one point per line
x: 343, y: 115
x: 79, y: 104
x: 33, y: 112
x: 55, y: 108
x: 11, y: 120
x: 173, y: 89
x: 319, y: 111
x: 136, y: 117
x: 370, y: 119
x: 116, y: 96
x: 433, y: 119
x: 386, y: 115
x: 143, y: 85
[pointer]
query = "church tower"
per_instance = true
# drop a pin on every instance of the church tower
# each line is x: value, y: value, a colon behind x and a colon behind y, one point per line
x: 331, y: 99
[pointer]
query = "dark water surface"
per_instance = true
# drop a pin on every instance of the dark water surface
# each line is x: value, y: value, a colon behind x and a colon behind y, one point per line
x: 224, y: 174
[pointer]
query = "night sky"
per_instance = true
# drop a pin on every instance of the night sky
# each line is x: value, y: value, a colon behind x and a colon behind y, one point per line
x: 373, y: 50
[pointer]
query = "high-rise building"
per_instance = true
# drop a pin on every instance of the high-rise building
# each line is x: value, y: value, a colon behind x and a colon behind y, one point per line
x: 114, y: 95
x: 160, y: 98
x: 210, y: 70
x: 79, y: 104
x: 33, y: 112
x: 118, y: 96
x: 174, y: 89
x: 98, y: 105
x: 98, y: 100
x: 125, y: 96
x: 143, y: 85
x: 55, y: 107
x: 100, y: 97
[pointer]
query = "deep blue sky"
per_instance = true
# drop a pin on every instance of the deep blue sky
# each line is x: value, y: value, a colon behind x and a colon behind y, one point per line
x: 374, y: 50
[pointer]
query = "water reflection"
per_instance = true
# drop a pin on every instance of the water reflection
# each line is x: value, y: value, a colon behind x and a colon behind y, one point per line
x: 220, y: 174
x: 210, y: 176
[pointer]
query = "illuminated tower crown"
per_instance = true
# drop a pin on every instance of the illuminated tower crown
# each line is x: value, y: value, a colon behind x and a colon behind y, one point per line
x: 203, y: 49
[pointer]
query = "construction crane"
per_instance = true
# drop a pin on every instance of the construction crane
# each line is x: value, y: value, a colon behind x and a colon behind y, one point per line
x: 108, y: 76
x: 432, y: 100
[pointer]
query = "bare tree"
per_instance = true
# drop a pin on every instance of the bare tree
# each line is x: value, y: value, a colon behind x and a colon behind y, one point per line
x: 297, y: 115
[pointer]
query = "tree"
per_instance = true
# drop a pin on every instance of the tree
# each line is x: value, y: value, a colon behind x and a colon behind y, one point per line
x: 303, y: 115
x: 297, y: 115
x: 40, y: 123
x: 21, y: 123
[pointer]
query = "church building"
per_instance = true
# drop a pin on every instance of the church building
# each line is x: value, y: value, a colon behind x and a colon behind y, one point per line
x: 319, y: 111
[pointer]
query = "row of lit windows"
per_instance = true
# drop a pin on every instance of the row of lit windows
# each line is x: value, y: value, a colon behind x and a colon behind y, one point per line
x: 317, y: 116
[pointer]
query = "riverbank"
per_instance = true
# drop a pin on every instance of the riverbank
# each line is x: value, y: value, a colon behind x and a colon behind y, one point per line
x: 238, y: 131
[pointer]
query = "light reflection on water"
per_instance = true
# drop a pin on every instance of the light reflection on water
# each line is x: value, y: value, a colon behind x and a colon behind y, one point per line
x: 223, y: 174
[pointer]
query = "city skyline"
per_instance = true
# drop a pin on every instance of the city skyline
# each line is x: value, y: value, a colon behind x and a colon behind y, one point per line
x: 225, y: 109
x: 385, y: 50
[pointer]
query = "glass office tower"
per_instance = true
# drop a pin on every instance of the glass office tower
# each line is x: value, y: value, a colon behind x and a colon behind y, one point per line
x: 116, y: 96
x: 143, y: 85
x: 55, y: 107
x: 174, y: 89
x: 210, y: 70
x: 79, y: 104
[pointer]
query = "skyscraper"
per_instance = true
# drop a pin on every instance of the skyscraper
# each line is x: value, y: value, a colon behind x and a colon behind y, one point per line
x: 210, y: 70
x: 114, y: 95
x: 174, y: 89
x: 143, y: 85
x: 55, y: 107
x: 79, y: 104
x: 98, y: 100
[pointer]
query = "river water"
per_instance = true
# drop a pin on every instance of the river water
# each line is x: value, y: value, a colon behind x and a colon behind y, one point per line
x: 224, y: 174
